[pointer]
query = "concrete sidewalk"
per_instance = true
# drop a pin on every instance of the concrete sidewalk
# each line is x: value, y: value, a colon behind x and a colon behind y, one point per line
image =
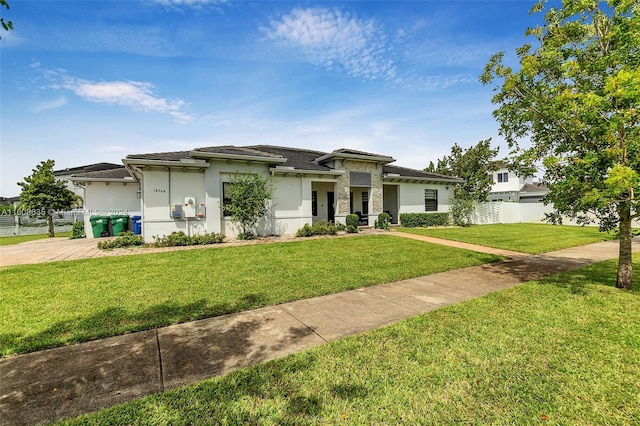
x: 57, y: 383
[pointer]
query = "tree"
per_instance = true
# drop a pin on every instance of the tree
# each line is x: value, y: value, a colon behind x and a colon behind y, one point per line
x: 8, y: 25
x: 473, y: 165
x: 42, y: 194
x: 248, y: 198
x: 577, y: 96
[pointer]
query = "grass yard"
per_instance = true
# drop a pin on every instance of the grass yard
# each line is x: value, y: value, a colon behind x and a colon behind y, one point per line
x: 17, y: 239
x: 563, y: 350
x: 48, y: 305
x: 529, y: 238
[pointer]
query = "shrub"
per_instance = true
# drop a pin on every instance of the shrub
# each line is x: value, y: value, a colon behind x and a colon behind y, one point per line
x: 246, y: 236
x: 352, y: 223
x: 205, y: 239
x: 383, y: 222
x: 77, y: 230
x: 413, y: 220
x: 125, y: 239
x: 324, y: 227
x: 321, y: 227
x: 341, y: 227
x: 179, y: 238
x: 305, y: 231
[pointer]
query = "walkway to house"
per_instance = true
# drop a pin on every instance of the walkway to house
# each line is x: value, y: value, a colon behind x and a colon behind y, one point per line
x: 68, y: 381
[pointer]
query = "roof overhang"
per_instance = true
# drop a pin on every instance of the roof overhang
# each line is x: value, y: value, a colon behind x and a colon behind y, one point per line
x: 80, y: 179
x: 284, y: 171
x: 383, y: 159
x: 237, y: 157
x: 400, y: 178
x: 189, y: 163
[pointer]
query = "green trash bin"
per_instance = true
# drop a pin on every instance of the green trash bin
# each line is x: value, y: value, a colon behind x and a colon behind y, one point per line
x: 119, y: 223
x: 99, y: 226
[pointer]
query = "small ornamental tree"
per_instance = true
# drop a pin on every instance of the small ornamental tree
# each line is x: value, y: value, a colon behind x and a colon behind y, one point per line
x: 576, y: 95
x: 247, y: 201
x: 42, y: 194
x: 473, y: 165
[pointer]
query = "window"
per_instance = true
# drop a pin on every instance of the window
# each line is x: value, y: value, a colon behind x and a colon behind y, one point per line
x: 225, y: 198
x: 314, y: 203
x: 503, y: 177
x: 360, y: 178
x: 365, y: 203
x: 431, y: 200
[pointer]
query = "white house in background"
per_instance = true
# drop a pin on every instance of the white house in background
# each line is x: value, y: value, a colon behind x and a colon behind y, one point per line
x: 508, y: 186
x: 185, y: 190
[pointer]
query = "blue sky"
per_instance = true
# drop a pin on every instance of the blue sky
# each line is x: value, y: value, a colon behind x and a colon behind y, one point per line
x: 92, y: 81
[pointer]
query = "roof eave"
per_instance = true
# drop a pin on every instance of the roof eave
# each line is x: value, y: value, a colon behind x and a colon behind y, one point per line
x: 238, y: 157
x: 423, y: 179
x: 128, y: 162
x: 370, y: 158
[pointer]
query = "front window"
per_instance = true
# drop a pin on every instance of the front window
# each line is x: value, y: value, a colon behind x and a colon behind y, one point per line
x: 314, y: 203
x: 431, y: 200
x: 225, y: 198
x: 503, y: 177
x: 365, y: 203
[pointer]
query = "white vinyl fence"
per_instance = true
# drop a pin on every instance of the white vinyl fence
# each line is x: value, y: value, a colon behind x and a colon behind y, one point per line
x: 26, y: 225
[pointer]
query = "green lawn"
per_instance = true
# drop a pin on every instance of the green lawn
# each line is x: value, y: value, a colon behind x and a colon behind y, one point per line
x: 17, y: 239
x: 48, y: 305
x: 522, y: 237
x: 563, y: 350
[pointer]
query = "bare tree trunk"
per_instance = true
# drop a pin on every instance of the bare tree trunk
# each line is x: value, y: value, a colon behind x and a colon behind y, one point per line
x: 625, y: 265
x: 50, y: 224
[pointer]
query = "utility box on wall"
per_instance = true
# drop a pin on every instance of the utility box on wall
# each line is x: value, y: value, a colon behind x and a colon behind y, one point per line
x: 176, y: 211
x: 202, y: 211
x: 189, y: 207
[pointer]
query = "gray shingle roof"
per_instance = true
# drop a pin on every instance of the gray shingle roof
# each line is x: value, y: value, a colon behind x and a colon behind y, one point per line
x: 300, y: 159
x: 119, y: 173
x: 162, y: 156
x: 403, y: 171
x: 88, y: 168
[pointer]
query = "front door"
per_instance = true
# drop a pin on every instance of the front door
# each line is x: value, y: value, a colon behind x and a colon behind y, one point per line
x: 331, y: 212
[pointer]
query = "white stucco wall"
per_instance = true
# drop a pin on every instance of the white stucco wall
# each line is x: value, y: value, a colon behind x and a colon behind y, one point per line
x: 411, y: 197
x: 161, y: 188
x: 514, y: 182
x: 109, y: 198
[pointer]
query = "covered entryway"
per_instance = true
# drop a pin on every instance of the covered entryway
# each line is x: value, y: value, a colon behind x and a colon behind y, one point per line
x: 390, y: 201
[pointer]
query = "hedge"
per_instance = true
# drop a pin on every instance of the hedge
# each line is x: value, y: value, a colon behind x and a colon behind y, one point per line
x: 421, y: 220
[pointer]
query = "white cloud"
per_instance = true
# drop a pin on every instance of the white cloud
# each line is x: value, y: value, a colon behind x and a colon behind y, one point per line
x: 45, y: 105
x: 133, y: 94
x: 336, y: 41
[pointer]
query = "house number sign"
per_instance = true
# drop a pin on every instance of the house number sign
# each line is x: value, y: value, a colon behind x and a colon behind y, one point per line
x: 159, y: 190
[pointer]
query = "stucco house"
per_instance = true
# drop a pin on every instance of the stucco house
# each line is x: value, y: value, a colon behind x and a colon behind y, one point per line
x: 508, y: 186
x: 185, y: 190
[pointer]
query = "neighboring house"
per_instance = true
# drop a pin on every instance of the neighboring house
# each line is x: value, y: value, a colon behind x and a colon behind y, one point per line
x: 65, y: 174
x: 185, y: 190
x: 508, y: 186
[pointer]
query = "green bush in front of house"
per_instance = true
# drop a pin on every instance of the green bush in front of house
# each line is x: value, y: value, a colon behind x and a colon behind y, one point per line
x: 383, y: 222
x: 423, y: 220
x: 179, y: 238
x: 125, y: 239
x: 77, y: 230
x: 352, y: 222
x: 321, y: 227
